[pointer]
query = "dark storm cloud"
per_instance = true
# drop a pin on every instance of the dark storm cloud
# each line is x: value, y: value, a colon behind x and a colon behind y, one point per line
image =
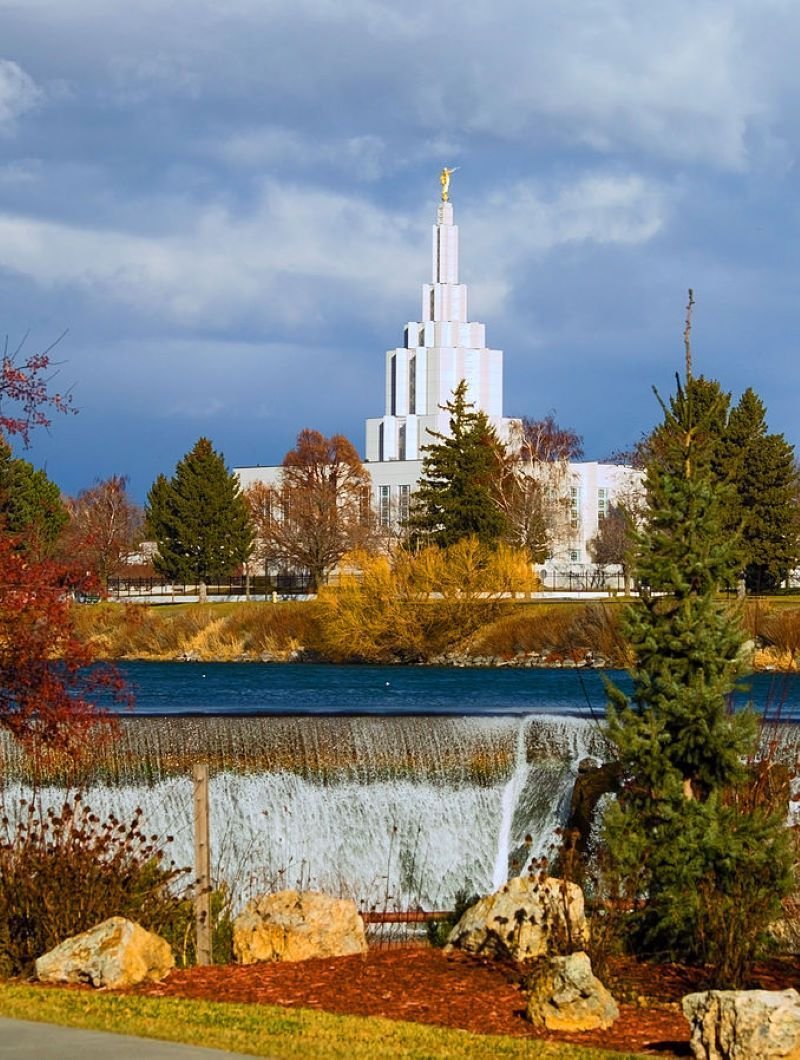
x: 229, y: 207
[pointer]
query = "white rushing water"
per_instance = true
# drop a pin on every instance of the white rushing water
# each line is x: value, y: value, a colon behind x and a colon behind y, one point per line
x: 389, y: 841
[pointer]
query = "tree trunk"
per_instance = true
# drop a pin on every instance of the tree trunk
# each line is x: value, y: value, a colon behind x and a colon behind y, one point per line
x: 202, y: 592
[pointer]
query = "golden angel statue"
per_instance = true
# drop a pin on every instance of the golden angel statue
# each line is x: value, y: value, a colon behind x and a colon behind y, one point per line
x: 444, y: 180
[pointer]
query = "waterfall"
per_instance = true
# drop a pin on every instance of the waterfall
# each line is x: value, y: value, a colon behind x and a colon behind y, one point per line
x: 508, y: 804
x: 394, y: 812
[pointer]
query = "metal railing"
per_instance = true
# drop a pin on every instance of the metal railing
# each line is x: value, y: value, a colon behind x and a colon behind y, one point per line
x: 289, y: 584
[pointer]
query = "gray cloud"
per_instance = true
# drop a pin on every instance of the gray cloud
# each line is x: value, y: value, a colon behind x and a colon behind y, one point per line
x: 18, y: 93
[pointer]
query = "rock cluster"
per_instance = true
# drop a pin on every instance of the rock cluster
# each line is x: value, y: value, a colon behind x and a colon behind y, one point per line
x: 540, y: 920
x: 549, y: 659
x: 115, y: 954
x: 744, y: 1024
x: 297, y: 925
x: 566, y: 996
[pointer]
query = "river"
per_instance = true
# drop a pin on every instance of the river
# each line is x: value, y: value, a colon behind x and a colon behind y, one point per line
x: 302, y: 689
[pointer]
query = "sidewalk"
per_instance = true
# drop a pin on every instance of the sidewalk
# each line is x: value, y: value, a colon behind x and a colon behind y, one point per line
x: 24, y: 1040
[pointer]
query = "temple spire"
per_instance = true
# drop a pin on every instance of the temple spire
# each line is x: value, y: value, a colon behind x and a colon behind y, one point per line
x: 445, y: 246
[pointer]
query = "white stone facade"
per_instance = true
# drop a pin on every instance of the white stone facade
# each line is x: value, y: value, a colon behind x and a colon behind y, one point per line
x: 440, y: 350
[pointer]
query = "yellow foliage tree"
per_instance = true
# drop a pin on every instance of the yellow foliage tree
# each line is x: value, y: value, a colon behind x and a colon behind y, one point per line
x: 421, y: 604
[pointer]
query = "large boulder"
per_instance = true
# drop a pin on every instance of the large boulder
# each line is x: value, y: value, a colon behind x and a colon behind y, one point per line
x: 527, y: 918
x: 296, y: 925
x: 744, y: 1024
x: 566, y: 996
x: 117, y: 953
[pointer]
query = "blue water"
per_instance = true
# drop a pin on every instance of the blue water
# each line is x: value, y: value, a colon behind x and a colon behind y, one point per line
x: 308, y: 689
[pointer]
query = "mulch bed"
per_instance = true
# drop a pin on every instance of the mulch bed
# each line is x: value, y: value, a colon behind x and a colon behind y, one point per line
x: 425, y: 986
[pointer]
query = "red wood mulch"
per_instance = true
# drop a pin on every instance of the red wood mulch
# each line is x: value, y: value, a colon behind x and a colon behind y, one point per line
x: 425, y: 986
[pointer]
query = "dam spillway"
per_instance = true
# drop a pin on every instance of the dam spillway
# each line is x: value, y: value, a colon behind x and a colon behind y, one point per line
x: 396, y: 811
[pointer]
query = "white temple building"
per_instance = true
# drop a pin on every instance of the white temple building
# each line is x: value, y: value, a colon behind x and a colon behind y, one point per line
x: 441, y: 349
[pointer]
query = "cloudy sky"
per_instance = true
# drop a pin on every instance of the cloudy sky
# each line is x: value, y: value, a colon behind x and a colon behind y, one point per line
x: 228, y: 206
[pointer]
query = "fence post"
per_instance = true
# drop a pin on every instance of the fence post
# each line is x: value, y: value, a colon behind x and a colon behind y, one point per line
x: 202, y: 864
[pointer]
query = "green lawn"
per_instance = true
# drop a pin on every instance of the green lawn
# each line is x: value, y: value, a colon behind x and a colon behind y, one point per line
x: 268, y: 1030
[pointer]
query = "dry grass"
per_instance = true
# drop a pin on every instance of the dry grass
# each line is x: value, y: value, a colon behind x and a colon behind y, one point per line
x: 208, y: 631
x: 776, y: 628
x: 556, y: 629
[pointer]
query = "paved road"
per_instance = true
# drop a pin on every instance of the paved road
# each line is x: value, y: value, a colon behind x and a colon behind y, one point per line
x: 23, y: 1040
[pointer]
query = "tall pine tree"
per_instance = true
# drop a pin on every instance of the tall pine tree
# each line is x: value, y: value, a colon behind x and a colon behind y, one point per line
x: 712, y: 876
x: 31, y: 507
x: 761, y: 508
x: 457, y: 495
x: 762, y: 467
x: 199, y: 519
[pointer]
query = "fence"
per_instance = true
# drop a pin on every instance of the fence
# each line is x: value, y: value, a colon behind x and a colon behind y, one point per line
x: 593, y: 579
x: 292, y: 584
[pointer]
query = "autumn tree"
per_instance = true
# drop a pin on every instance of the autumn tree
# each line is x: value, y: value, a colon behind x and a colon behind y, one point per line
x: 461, y: 474
x: 31, y: 507
x: 319, y: 510
x: 104, y: 525
x: 26, y: 400
x: 48, y: 687
x: 612, y: 545
x: 414, y: 605
x: 533, y: 491
x: 199, y: 519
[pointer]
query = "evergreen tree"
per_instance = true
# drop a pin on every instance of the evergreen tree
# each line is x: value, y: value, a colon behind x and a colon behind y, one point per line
x: 199, y: 519
x: 30, y: 504
x: 761, y: 509
x: 675, y: 834
x: 763, y: 469
x: 457, y: 495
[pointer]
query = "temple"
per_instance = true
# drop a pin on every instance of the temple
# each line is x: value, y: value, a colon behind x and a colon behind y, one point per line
x: 439, y: 350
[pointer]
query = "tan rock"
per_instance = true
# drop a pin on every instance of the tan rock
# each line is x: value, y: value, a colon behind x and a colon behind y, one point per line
x: 115, y: 954
x: 744, y: 1024
x: 566, y: 996
x: 526, y: 918
x: 297, y: 925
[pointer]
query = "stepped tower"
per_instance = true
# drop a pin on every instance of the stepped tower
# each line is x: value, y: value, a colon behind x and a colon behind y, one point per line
x: 440, y: 350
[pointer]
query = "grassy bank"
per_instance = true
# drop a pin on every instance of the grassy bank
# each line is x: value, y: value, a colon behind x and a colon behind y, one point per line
x: 258, y: 630
x: 545, y: 632
x: 262, y: 1030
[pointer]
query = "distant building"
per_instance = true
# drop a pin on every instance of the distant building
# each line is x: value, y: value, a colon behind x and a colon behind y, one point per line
x: 440, y: 350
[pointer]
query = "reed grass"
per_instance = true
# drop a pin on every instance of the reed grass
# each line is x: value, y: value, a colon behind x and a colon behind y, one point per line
x: 225, y: 632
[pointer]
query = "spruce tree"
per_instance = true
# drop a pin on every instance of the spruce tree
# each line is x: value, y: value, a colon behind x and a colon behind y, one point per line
x: 761, y: 509
x: 675, y: 834
x: 458, y: 486
x: 199, y: 519
x: 31, y: 507
x: 762, y: 466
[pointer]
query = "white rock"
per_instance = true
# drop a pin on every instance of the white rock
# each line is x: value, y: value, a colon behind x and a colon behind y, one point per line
x: 526, y: 918
x: 744, y: 1024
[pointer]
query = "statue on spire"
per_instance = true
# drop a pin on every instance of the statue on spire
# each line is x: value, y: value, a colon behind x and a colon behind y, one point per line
x: 444, y: 180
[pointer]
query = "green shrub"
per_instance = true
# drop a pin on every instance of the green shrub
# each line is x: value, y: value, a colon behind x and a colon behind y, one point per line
x: 64, y: 871
x: 438, y: 931
x: 181, y: 935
